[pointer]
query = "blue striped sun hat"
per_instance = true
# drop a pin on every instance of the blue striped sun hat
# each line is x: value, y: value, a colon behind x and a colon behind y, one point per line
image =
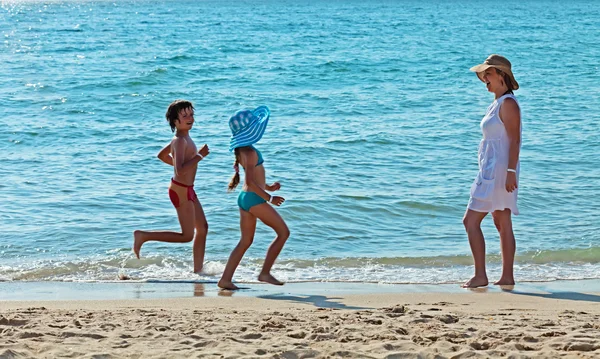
x: 247, y: 127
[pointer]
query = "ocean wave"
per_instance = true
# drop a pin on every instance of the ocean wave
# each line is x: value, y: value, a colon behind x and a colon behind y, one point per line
x: 543, y: 265
x: 374, y: 141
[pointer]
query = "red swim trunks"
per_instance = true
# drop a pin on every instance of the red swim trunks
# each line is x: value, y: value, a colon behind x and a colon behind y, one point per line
x: 179, y: 192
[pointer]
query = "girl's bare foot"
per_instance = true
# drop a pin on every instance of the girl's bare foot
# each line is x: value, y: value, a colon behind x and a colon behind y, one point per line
x: 505, y: 281
x: 268, y: 278
x: 227, y: 285
x: 476, y: 282
x: 137, y: 243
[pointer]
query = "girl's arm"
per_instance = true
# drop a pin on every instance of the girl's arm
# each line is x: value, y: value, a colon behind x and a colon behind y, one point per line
x: 165, y: 155
x: 511, y: 117
x: 247, y: 158
x: 274, y: 187
x: 251, y: 157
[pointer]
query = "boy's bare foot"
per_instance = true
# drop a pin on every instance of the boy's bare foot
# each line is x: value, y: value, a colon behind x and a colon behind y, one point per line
x: 476, y: 282
x: 198, y: 270
x: 137, y: 243
x: 268, y: 278
x: 505, y: 281
x: 227, y: 285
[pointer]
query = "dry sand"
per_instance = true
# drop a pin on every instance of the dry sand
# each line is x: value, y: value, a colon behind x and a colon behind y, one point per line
x: 405, y: 325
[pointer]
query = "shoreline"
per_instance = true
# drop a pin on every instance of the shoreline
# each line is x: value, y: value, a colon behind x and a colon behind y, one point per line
x: 300, y: 324
x: 149, y: 290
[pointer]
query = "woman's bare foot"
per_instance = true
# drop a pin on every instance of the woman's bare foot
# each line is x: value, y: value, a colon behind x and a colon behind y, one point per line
x: 268, y: 278
x: 505, y: 281
x: 227, y: 285
x: 137, y: 243
x: 476, y: 282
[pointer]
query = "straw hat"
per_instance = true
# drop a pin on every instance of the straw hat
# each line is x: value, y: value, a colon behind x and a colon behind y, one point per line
x: 498, y: 62
x: 247, y: 127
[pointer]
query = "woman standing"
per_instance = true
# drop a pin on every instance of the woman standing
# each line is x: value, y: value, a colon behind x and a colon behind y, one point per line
x: 495, y: 187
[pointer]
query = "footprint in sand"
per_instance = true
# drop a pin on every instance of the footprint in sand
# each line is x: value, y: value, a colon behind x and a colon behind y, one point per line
x: 12, y: 322
x: 252, y: 336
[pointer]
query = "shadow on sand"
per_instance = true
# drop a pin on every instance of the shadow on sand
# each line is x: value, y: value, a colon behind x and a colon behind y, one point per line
x: 319, y: 301
x: 559, y: 295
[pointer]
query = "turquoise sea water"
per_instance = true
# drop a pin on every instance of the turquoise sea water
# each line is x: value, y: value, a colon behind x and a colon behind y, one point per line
x: 373, y: 135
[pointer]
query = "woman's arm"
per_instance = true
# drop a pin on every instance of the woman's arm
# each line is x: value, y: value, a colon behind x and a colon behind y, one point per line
x: 511, y: 116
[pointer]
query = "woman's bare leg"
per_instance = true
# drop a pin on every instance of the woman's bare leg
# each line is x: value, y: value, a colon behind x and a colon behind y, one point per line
x: 472, y: 221
x: 503, y: 222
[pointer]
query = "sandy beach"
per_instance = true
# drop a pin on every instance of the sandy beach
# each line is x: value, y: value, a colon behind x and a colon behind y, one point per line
x: 471, y: 324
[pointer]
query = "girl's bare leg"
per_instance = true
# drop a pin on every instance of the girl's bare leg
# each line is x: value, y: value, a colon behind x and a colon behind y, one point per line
x: 201, y: 227
x: 269, y: 216
x: 247, y: 227
x: 472, y: 221
x: 503, y: 222
x: 185, y: 213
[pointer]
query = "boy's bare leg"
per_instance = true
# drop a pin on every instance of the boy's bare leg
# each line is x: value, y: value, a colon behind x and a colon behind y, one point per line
x: 248, y: 228
x: 185, y: 213
x: 269, y: 216
x: 201, y: 226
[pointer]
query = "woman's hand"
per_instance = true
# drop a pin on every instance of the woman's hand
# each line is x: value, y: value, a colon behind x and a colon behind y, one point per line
x: 511, y: 181
x: 277, y: 201
x: 274, y: 187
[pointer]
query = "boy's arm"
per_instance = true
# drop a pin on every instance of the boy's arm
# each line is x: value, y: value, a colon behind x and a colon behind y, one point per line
x: 165, y: 155
x: 181, y: 168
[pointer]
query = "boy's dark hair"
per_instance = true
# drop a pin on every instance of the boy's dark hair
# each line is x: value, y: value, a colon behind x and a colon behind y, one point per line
x: 173, y: 111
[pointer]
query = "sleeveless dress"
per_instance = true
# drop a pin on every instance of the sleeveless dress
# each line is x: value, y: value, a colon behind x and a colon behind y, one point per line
x: 488, y: 192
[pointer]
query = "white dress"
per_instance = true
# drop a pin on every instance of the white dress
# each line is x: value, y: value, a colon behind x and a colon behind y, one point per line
x: 488, y: 192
